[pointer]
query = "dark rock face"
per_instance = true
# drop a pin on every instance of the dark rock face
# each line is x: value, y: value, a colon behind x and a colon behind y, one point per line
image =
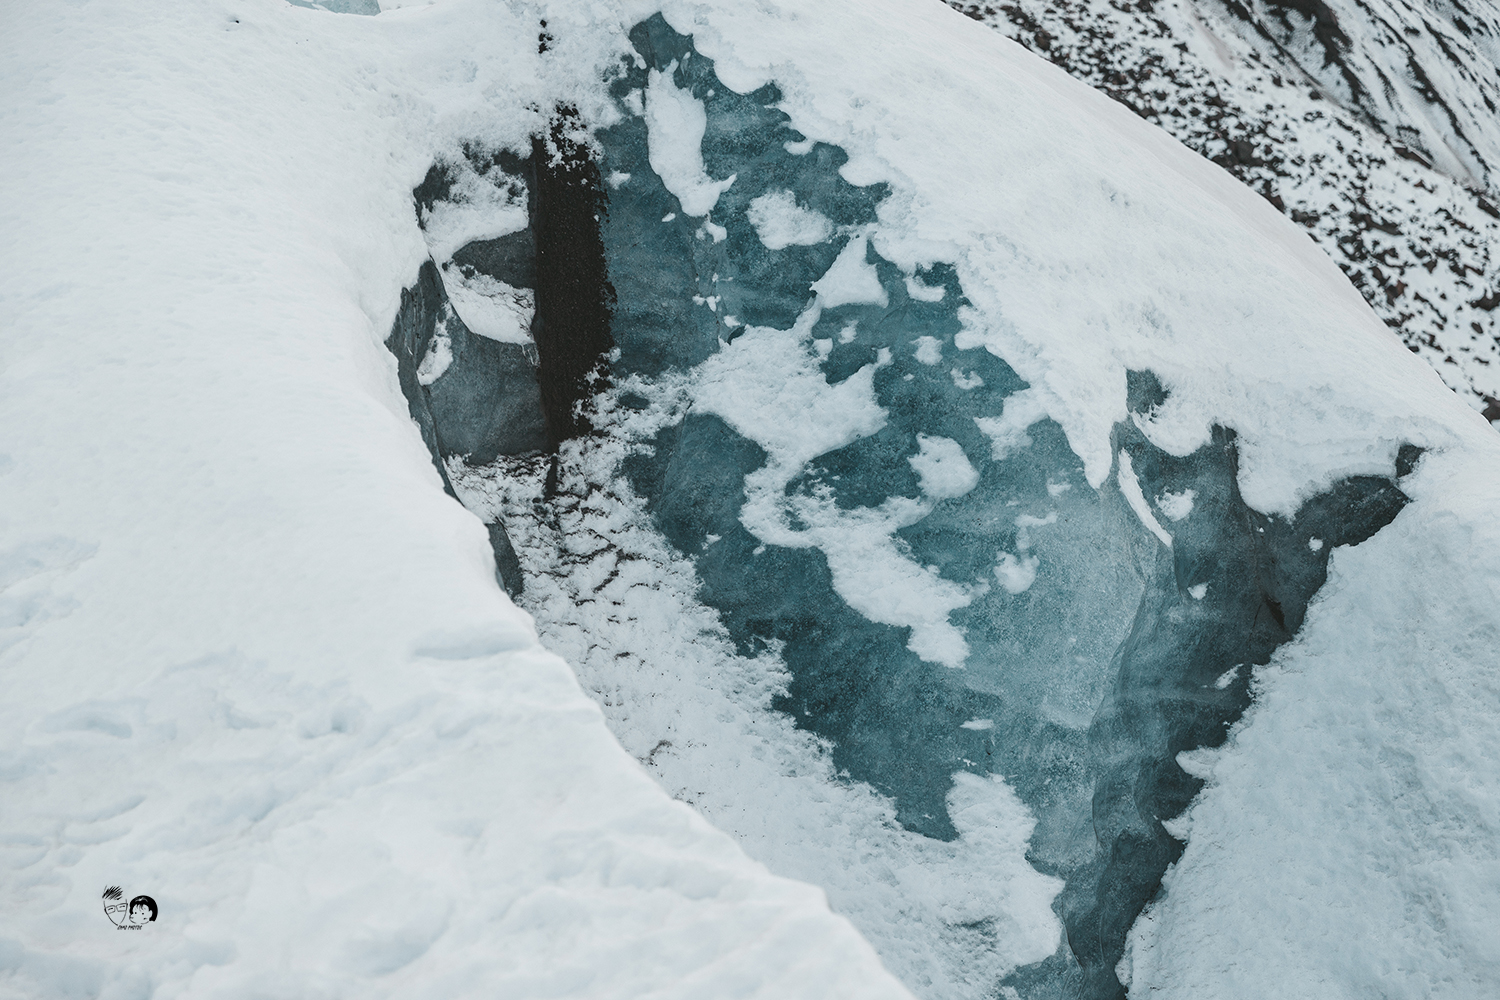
x: 573, y: 294
x: 478, y: 399
x: 485, y: 403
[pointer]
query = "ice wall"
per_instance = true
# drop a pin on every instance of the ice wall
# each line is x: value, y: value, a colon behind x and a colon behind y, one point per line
x: 868, y: 494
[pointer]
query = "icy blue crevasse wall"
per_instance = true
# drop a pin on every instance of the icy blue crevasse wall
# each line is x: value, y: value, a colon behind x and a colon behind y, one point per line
x: 1082, y: 683
x: 1097, y: 649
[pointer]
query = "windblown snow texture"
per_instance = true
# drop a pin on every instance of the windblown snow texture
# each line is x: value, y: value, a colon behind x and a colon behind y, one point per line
x: 946, y: 590
x: 1371, y: 124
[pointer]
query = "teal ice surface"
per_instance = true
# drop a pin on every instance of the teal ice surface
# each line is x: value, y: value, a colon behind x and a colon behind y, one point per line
x: 1111, y: 653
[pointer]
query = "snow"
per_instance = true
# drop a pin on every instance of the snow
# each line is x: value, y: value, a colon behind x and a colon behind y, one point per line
x: 478, y: 208
x: 767, y: 385
x: 256, y: 662
x: 439, y: 355
x: 1251, y: 88
x: 697, y: 712
x: 258, y: 666
x: 1016, y: 573
x: 1178, y: 505
x: 780, y: 222
x: 929, y: 351
x: 1008, y: 431
x: 489, y: 307
x: 851, y: 280
x: 1356, y: 801
x: 676, y: 121
x: 942, y: 468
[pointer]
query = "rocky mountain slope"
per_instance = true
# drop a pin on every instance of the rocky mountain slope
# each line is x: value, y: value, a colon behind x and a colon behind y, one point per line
x: 1372, y: 124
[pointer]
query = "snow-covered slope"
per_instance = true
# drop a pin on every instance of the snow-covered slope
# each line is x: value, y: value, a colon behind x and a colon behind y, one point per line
x: 259, y: 667
x: 255, y: 662
x: 1373, y: 125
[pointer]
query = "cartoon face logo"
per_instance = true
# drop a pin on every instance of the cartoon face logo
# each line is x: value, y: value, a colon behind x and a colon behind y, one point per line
x: 133, y: 915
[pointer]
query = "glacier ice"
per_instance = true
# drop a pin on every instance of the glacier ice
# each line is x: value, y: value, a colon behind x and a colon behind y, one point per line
x: 884, y: 507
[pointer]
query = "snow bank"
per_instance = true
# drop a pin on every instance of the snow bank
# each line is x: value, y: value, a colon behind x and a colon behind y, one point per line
x: 256, y: 664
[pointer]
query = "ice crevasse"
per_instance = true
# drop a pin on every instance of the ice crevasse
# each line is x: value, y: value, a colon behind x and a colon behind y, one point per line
x: 1026, y: 560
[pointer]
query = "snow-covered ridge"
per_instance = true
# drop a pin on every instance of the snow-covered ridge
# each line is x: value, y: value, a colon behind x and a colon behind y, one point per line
x: 1371, y: 125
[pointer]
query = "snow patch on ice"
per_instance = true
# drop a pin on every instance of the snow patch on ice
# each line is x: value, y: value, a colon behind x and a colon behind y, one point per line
x: 780, y: 222
x: 924, y: 293
x: 1177, y: 505
x: 851, y: 280
x: 942, y: 468
x: 439, y: 354
x: 1008, y: 431
x: 768, y: 386
x: 491, y: 308
x: 675, y: 123
x: 1016, y: 573
x: 477, y: 208
x: 929, y: 350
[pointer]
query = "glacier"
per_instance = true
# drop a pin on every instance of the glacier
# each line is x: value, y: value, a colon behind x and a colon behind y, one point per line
x: 1028, y: 549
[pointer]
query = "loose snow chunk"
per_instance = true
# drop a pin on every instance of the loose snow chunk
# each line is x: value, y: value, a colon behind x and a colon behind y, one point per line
x: 1016, y: 575
x: 780, y: 222
x: 980, y: 724
x: 1315, y: 544
x: 616, y: 178
x: 1198, y: 591
x: 929, y: 350
x: 1131, y: 487
x: 1228, y: 676
x: 943, y: 468
x: 1177, y: 505
x: 675, y: 123
x: 491, y: 308
x: 477, y: 208
x: 1008, y: 431
x: 851, y: 281
x: 438, y: 357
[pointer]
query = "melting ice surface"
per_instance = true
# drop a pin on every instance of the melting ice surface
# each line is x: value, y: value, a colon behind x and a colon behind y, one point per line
x: 869, y: 499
